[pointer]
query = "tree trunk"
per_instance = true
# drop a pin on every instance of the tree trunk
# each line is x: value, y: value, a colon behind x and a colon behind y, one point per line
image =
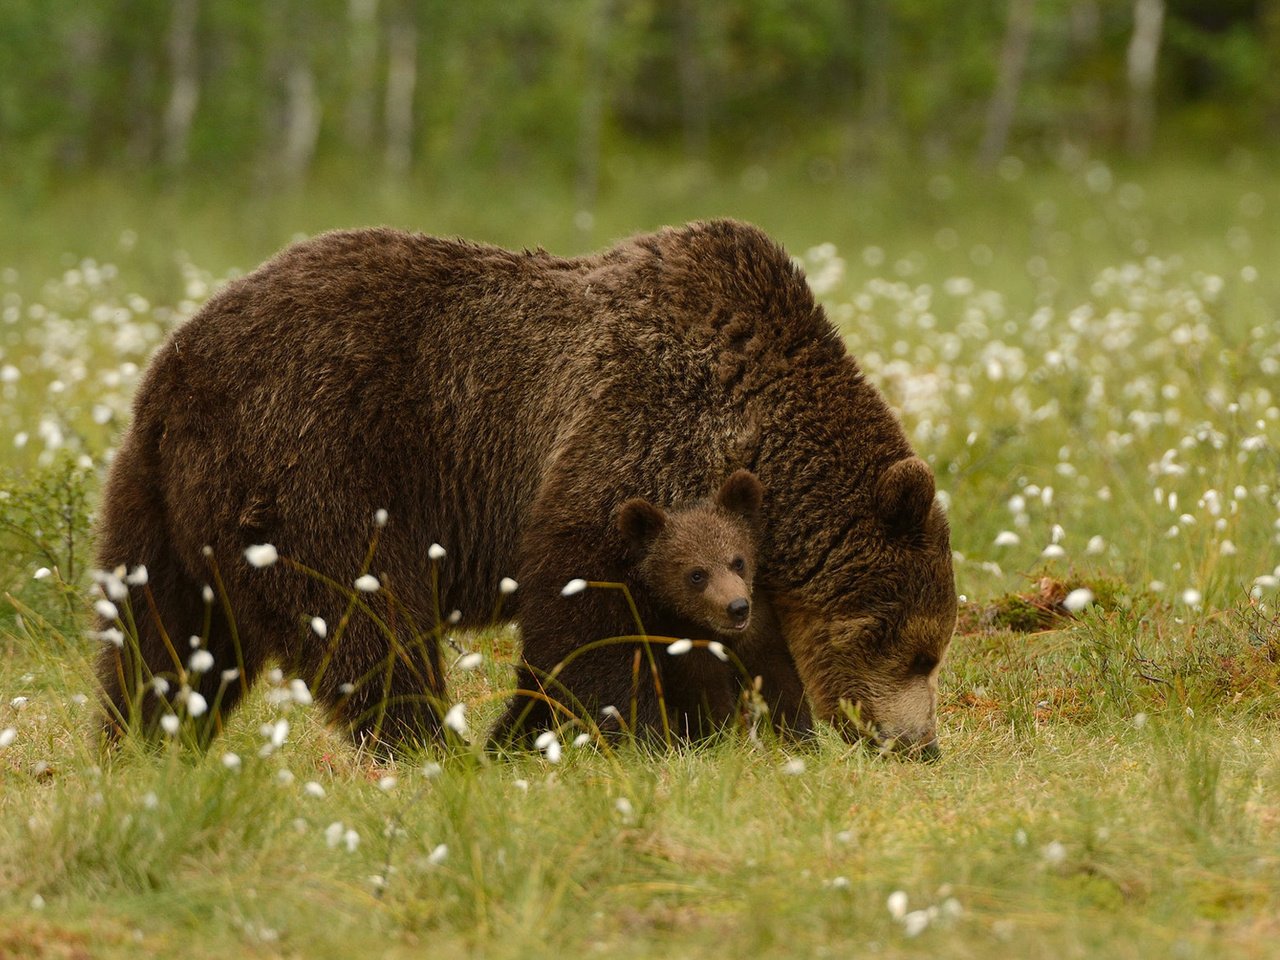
x: 302, y: 119
x: 1004, y: 102
x: 591, y: 118
x: 694, y: 105
x: 1271, y: 83
x: 184, y: 93
x: 1144, y: 52
x: 402, y: 77
x: 362, y: 51
x: 874, y: 105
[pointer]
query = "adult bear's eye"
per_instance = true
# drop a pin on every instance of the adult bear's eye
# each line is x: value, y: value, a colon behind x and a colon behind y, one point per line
x: 697, y: 577
x: 737, y: 565
x: 923, y: 664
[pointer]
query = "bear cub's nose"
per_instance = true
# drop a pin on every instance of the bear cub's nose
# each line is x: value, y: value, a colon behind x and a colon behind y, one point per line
x: 739, y: 609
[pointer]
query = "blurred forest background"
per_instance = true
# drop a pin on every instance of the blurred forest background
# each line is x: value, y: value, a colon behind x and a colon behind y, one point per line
x: 468, y: 116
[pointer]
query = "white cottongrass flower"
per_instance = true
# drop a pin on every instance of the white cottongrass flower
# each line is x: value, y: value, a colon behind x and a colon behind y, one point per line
x: 1192, y: 597
x: 1054, y: 853
x: 37, y: 902
x: 284, y: 777
x: 197, y: 705
x: 380, y: 517
x: 313, y: 789
x: 7, y: 736
x: 549, y: 744
x: 111, y: 635
x: 170, y: 723
x: 160, y: 685
x: 139, y: 577
x: 573, y: 587
x: 206, y: 593
x: 1058, y: 533
x: 275, y: 733
x: 1267, y: 581
x: 201, y: 662
x: 1095, y: 546
x: 438, y: 854
x: 624, y: 808
x: 333, y: 833
x: 194, y: 642
x: 435, y: 552
x: 915, y: 922
x: 367, y: 583
x: 387, y: 783
x: 455, y: 719
x: 582, y: 739
x: 431, y: 770
x: 1007, y: 538
x: 455, y: 616
x: 897, y: 904
x: 679, y: 647
x: 469, y: 661
x: 793, y: 767
x: 300, y: 692
x: 41, y: 573
x: 1139, y: 720
x: 106, y: 609
x: 522, y: 785
x: 18, y: 703
x: 230, y: 675
x: 717, y: 650
x: 1078, y: 599
x: 261, y: 555
x: 1053, y: 551
x: 109, y: 583
x: 231, y: 761
x: 507, y: 586
x: 319, y: 627
x: 1227, y: 548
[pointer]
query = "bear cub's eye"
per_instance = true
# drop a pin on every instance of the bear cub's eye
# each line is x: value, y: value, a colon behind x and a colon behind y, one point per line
x: 738, y: 565
x: 697, y: 577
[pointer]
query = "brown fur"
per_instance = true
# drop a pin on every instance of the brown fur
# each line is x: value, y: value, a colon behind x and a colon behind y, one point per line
x: 503, y: 404
x: 696, y: 563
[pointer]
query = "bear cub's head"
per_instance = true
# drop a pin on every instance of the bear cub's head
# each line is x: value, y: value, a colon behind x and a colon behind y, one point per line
x: 699, y: 559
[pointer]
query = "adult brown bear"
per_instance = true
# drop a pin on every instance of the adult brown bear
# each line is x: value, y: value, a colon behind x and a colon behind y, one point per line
x: 504, y: 405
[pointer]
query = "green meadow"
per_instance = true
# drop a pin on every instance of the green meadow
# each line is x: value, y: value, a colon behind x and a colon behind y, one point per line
x: 1089, y: 357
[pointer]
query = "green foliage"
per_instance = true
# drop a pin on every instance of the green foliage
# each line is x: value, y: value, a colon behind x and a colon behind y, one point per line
x: 511, y: 85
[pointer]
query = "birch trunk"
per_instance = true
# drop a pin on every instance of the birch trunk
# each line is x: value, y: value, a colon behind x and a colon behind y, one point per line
x: 402, y: 78
x: 1144, y: 53
x: 1004, y: 102
x: 184, y: 93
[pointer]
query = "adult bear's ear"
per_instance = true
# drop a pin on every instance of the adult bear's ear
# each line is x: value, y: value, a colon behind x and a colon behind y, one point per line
x: 740, y: 493
x: 904, y: 495
x: 640, y: 521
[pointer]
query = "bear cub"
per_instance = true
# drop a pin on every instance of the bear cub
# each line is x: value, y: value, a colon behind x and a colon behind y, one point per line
x: 694, y: 565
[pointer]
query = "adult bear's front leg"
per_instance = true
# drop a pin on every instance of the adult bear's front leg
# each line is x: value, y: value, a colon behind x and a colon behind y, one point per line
x: 765, y: 656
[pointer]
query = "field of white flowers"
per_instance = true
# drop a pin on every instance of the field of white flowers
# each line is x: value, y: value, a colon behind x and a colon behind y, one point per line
x: 1092, y: 365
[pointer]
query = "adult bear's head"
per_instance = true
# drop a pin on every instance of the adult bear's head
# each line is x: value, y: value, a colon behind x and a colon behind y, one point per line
x: 870, y: 627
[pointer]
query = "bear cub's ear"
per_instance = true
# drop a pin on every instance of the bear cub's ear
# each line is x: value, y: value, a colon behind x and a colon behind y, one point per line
x: 640, y: 521
x: 905, y: 495
x: 741, y: 493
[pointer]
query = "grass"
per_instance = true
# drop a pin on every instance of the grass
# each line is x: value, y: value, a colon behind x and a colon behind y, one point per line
x: 1088, y: 356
